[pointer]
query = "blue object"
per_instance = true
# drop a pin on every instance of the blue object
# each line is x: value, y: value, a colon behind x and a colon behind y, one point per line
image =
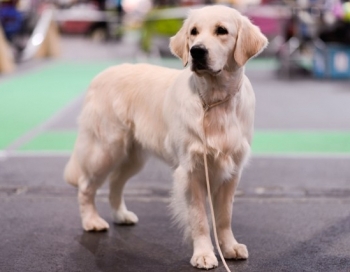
x: 332, y: 61
x: 11, y: 21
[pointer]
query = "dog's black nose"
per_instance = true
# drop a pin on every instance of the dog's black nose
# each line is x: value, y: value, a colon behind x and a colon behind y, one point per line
x: 198, y: 52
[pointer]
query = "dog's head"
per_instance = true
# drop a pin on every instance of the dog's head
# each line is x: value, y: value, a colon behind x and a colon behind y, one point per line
x: 215, y: 38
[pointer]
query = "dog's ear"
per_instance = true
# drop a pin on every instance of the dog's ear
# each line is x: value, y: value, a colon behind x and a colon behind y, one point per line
x: 179, y: 44
x: 250, y: 42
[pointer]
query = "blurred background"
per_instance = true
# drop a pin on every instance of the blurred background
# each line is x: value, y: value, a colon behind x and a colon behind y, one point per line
x: 308, y: 36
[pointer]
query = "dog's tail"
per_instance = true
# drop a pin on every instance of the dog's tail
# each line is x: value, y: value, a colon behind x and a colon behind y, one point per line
x: 72, y: 172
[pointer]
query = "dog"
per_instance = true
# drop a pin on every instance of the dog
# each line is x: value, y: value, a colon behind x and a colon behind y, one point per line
x: 178, y: 115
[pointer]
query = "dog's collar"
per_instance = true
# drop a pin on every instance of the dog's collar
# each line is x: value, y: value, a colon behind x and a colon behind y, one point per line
x: 207, y: 106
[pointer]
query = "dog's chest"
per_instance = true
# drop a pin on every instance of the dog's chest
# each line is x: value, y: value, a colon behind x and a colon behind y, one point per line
x: 221, y: 125
x: 222, y: 131
x: 227, y: 146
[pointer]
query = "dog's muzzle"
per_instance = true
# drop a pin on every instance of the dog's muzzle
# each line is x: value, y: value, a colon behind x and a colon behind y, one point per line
x: 199, y: 57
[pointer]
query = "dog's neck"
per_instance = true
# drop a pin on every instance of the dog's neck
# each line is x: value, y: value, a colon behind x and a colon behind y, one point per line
x: 214, y: 88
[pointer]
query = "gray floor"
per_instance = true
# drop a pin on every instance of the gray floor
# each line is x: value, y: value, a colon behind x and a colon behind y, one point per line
x: 293, y: 213
x: 286, y: 212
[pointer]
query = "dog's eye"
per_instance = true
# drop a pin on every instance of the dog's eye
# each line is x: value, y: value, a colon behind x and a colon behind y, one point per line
x: 221, y: 31
x: 194, y: 31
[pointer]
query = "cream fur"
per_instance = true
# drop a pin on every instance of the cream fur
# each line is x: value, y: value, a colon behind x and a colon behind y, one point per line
x: 131, y: 110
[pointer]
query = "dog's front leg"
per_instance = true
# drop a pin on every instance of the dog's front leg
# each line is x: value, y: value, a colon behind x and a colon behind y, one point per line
x: 222, y: 201
x: 195, y: 197
x: 203, y: 251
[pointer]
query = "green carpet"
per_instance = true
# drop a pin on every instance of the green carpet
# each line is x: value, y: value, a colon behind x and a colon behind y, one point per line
x: 265, y: 142
x: 28, y: 100
x: 292, y: 142
x: 52, y: 141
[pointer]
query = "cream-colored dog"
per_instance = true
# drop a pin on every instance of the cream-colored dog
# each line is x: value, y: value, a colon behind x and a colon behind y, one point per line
x: 130, y: 110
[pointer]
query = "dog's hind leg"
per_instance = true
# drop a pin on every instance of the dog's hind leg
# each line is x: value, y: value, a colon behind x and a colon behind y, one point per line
x: 91, y: 220
x: 96, y: 163
x: 118, y: 178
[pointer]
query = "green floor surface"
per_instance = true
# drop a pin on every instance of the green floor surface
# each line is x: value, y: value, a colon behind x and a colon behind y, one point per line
x: 292, y: 142
x: 28, y: 100
x: 265, y: 142
x: 51, y: 141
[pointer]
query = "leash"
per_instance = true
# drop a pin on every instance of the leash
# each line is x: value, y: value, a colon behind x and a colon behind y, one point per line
x: 206, y: 108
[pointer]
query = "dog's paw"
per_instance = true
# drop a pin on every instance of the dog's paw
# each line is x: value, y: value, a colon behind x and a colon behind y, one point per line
x: 236, y: 251
x: 125, y: 218
x: 94, y: 223
x: 204, y: 260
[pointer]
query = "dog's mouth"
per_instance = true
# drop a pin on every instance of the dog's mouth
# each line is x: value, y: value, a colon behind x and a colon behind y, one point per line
x: 215, y: 73
x: 202, y: 68
x: 198, y: 65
